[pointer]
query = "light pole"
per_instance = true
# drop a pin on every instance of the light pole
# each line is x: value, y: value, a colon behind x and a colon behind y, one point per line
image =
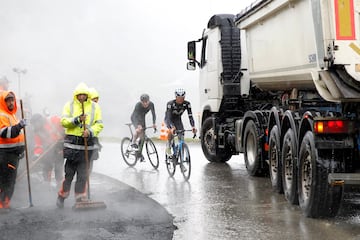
x: 19, y: 71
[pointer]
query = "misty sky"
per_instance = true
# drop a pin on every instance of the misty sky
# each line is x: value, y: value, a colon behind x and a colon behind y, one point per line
x: 123, y: 48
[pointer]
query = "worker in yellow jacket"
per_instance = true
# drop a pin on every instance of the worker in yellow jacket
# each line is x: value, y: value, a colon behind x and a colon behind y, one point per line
x: 94, y: 95
x: 77, y: 112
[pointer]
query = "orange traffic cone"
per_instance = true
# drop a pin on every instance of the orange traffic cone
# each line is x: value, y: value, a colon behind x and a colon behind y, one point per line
x: 163, y: 132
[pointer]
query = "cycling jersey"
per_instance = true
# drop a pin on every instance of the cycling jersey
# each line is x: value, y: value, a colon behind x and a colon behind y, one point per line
x: 138, y: 115
x: 174, y: 112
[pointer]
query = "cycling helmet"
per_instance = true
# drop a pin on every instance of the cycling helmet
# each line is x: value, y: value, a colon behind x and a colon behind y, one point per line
x: 144, y: 97
x: 179, y: 92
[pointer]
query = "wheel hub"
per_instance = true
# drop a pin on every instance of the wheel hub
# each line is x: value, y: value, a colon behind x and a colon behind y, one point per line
x: 209, y: 140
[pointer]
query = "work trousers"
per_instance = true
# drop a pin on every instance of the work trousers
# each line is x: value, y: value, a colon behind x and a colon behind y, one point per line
x: 8, y: 170
x: 75, y: 163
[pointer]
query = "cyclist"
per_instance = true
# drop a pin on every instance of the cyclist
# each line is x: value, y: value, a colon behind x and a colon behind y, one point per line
x: 138, y: 117
x: 174, y: 109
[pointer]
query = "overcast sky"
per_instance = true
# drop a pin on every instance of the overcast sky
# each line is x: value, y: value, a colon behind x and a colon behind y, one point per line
x: 123, y: 48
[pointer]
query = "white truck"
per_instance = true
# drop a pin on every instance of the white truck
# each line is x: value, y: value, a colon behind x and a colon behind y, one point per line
x: 280, y: 82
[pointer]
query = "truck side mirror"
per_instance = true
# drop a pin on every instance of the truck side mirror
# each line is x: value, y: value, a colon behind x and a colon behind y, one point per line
x: 192, y: 51
x: 191, y: 65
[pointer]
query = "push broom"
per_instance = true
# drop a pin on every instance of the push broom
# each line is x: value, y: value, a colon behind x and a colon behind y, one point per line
x: 26, y: 156
x: 88, y: 203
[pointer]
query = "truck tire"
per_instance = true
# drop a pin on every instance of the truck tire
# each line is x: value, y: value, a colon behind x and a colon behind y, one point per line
x: 316, y: 197
x: 252, y: 153
x: 289, y: 164
x: 209, y: 143
x: 275, y: 160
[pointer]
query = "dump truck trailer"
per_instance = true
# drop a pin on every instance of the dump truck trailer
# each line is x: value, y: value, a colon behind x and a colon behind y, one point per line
x: 280, y: 83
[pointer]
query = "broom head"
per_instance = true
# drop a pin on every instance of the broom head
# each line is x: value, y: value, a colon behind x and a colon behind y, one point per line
x: 88, y: 205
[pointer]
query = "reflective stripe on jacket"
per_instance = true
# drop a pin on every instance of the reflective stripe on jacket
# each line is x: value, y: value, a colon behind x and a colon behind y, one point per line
x: 93, y: 121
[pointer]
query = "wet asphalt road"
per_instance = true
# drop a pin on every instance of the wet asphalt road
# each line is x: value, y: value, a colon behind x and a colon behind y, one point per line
x: 221, y: 201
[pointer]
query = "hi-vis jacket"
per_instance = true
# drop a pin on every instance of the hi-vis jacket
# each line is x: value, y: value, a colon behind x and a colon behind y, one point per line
x: 73, y: 109
x: 11, y: 136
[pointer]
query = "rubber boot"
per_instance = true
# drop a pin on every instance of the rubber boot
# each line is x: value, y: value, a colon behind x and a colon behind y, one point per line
x: 60, y: 202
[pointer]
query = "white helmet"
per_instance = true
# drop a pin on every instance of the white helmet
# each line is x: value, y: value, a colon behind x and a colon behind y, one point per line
x: 179, y: 92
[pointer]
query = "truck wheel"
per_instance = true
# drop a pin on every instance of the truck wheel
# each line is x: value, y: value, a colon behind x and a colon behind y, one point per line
x: 289, y: 171
x: 252, y: 152
x: 209, y: 144
x: 274, y: 160
x: 316, y: 197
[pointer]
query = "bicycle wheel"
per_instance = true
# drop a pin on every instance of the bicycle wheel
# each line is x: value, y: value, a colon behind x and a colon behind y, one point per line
x: 152, y: 153
x: 170, y: 165
x: 128, y: 154
x: 185, y: 162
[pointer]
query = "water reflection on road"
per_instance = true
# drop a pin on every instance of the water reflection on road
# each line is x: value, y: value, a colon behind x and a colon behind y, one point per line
x: 222, y: 202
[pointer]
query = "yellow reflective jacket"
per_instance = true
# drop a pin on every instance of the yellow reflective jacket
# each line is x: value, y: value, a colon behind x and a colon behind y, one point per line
x: 73, y: 109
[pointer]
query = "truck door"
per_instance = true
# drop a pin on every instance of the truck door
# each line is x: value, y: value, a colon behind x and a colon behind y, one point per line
x: 209, y: 85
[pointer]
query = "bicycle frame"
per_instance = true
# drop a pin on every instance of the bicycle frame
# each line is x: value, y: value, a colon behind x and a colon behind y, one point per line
x: 143, y: 136
x: 131, y: 155
x: 177, y: 145
x: 180, y: 156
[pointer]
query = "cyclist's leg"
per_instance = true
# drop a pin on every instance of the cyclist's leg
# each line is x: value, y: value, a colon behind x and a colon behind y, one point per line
x: 169, y: 143
x: 135, y: 136
x: 141, y: 135
x: 179, y: 126
x: 138, y: 125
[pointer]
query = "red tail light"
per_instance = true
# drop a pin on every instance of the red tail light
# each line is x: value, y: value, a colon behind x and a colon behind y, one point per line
x: 333, y: 126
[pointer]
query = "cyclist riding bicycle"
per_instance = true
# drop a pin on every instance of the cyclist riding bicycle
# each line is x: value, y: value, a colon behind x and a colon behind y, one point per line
x: 174, y: 109
x: 138, y: 117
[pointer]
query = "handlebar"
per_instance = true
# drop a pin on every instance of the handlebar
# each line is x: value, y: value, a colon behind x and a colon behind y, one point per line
x: 177, y: 132
x: 130, y: 124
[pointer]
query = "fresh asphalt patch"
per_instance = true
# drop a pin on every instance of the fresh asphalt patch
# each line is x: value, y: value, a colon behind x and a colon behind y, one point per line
x: 129, y: 214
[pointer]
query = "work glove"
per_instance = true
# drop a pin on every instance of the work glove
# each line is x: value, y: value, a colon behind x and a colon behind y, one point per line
x: 22, y: 123
x: 79, y: 119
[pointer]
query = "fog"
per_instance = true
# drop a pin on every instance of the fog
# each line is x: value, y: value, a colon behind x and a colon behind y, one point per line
x: 123, y: 48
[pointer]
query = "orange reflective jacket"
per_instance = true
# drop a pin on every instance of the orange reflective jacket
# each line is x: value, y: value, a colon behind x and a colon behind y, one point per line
x: 7, y: 121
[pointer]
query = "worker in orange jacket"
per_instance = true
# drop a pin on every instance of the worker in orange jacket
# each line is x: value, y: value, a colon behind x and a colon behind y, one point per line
x: 12, y: 146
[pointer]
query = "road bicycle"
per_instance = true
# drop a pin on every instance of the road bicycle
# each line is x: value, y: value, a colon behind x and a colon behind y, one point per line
x: 180, y: 155
x: 131, y: 155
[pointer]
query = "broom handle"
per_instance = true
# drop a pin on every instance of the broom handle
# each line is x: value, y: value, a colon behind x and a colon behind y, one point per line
x: 86, y: 155
x: 26, y: 156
